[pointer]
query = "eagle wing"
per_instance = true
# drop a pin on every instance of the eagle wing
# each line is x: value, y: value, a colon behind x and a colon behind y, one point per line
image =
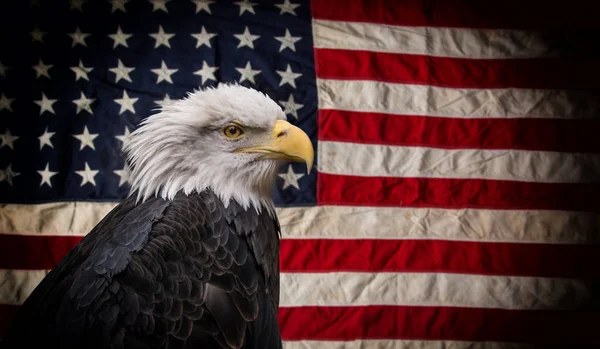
x: 182, y: 273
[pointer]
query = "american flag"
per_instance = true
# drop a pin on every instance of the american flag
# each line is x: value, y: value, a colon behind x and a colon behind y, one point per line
x: 455, y: 202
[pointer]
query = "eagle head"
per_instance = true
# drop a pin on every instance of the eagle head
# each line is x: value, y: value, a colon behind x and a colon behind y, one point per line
x: 230, y: 139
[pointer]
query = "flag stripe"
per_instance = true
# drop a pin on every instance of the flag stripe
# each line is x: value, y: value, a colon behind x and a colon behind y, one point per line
x: 25, y: 252
x: 401, y: 344
x: 346, y: 158
x: 471, y: 43
x: 365, y: 96
x: 456, y: 13
x: 346, y: 222
x: 17, y: 285
x: 54, y: 218
x: 456, y: 193
x: 441, y: 323
x: 34, y: 252
x: 477, y: 225
x: 456, y: 72
x: 362, y: 289
x: 434, y: 289
x: 486, y: 258
x: 577, y: 135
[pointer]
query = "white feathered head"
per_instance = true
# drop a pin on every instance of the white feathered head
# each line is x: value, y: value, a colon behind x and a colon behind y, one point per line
x: 231, y: 139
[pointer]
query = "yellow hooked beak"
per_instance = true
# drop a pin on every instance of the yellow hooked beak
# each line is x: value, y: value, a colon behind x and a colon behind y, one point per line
x: 288, y: 143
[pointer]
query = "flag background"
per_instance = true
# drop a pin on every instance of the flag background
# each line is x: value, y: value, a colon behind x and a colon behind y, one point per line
x: 454, y: 202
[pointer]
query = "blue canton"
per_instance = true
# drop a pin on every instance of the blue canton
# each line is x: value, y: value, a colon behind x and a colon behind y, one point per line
x: 75, y: 76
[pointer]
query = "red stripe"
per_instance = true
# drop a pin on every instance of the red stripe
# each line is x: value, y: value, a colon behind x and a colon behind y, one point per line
x: 34, y: 252
x: 441, y: 323
x: 485, y: 258
x: 563, y: 73
x: 456, y: 193
x: 453, y: 133
x: 514, y: 14
x: 323, y: 255
x: 438, y: 323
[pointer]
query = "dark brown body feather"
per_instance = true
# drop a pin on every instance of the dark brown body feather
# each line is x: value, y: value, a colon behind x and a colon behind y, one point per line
x: 186, y: 273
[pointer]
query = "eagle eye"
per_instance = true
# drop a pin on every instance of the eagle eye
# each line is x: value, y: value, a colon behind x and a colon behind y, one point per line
x: 233, y: 131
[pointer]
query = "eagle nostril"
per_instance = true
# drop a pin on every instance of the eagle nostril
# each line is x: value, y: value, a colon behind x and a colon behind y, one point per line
x: 282, y: 133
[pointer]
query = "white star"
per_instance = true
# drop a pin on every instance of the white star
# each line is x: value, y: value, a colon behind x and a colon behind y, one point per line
x: 121, y: 71
x: 118, y: 5
x: 8, y: 139
x: 165, y: 101
x: 207, y: 72
x: 42, y: 69
x: 203, y: 38
x: 120, y: 38
x: 246, y: 5
x: 3, y: 69
x: 45, y: 139
x: 81, y: 71
x: 77, y: 4
x: 87, y: 175
x: 164, y: 73
x: 202, y: 5
x: 5, y: 103
x: 37, y: 35
x: 287, y: 7
x: 46, y: 104
x: 288, y: 76
x: 47, y: 175
x: 86, y: 138
x: 246, y: 39
x: 124, y: 135
x: 126, y: 103
x: 7, y: 174
x: 290, y: 178
x: 288, y: 41
x: 291, y: 107
x: 123, y: 175
x: 78, y: 37
x: 159, y: 5
x: 84, y: 103
x: 161, y: 37
x: 247, y: 73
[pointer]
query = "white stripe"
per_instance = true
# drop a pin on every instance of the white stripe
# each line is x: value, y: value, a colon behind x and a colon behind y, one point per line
x: 433, y: 289
x: 348, y: 222
x: 401, y: 344
x: 411, y: 289
x: 432, y: 41
x: 56, y: 218
x: 392, y: 98
x: 345, y: 158
x: 17, y: 285
x: 479, y: 225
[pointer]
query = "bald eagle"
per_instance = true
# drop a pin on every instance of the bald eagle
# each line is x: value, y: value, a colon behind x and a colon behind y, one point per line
x: 190, y: 258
